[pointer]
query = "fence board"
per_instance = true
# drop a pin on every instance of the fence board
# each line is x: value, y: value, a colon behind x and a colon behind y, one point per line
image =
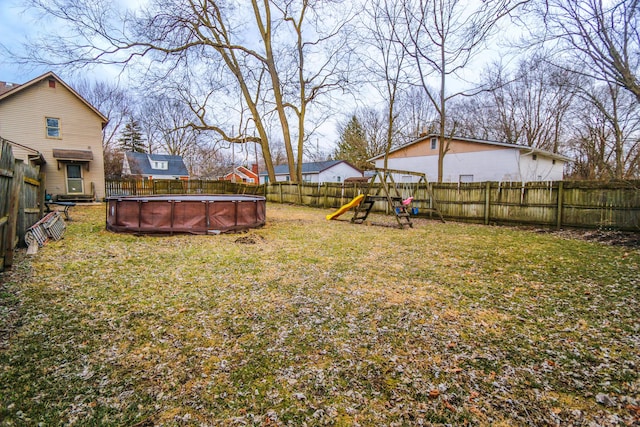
x: 583, y: 204
x: 21, y: 201
x: 7, y: 163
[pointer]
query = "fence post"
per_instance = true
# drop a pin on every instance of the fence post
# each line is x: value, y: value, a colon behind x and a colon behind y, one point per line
x: 42, y: 192
x: 560, y: 197
x: 430, y: 190
x: 325, y: 190
x: 487, y: 202
x: 14, y: 208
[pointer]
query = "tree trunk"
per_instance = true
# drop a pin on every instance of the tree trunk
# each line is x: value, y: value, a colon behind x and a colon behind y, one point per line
x: 265, y: 30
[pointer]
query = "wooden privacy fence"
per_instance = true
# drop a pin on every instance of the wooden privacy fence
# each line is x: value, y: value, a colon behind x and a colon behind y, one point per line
x: 139, y: 187
x: 580, y: 204
x: 21, y: 201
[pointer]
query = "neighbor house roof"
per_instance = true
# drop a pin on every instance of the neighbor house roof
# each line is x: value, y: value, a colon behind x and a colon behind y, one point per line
x: 529, y: 150
x: 246, y: 171
x: 242, y: 172
x: 8, y: 89
x: 140, y: 164
x: 309, y: 168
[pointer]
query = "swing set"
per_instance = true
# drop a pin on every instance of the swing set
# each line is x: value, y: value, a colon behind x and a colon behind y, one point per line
x: 383, y: 187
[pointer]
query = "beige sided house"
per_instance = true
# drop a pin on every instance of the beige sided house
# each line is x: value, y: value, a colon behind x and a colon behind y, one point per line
x: 51, y: 125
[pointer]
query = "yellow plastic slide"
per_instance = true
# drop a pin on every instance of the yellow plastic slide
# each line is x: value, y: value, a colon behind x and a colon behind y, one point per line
x: 355, y: 202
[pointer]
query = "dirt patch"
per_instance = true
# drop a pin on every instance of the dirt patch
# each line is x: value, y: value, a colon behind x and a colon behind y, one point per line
x: 251, y: 239
x: 613, y: 238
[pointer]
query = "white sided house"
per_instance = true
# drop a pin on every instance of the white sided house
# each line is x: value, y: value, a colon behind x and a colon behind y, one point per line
x: 475, y: 160
x: 317, y: 172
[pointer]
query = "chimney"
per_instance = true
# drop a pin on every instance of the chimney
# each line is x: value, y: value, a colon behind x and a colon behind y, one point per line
x: 254, y: 168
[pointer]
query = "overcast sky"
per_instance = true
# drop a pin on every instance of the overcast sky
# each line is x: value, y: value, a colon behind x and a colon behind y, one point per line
x: 14, y: 27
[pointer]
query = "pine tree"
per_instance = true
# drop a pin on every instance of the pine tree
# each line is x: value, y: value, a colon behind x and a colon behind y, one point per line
x: 131, y: 138
x: 353, y: 146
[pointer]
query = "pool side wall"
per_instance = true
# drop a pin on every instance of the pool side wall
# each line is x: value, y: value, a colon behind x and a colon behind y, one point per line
x: 201, y: 214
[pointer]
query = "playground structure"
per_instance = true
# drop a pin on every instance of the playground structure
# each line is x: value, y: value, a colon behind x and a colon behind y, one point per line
x: 389, y: 191
x: 353, y: 203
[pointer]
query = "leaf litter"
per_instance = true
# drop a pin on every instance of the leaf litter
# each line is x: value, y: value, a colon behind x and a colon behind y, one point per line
x: 309, y: 322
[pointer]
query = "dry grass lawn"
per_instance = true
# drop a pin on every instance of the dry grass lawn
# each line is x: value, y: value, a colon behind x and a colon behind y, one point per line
x: 311, y: 322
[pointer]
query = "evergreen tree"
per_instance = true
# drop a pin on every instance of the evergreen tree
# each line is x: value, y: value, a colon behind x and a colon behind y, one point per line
x: 131, y: 138
x: 353, y: 146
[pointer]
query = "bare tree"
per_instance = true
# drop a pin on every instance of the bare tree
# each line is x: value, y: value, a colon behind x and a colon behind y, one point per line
x: 112, y: 101
x: 445, y: 36
x: 168, y: 122
x: 116, y: 104
x: 478, y: 117
x: 385, y: 67
x: 599, y: 39
x: 527, y: 106
x: 318, y: 61
x: 211, y: 164
x: 279, y: 55
x: 607, y: 133
x: 417, y: 115
x: 376, y: 129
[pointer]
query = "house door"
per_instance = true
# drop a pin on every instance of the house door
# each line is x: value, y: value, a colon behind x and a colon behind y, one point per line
x: 74, y: 179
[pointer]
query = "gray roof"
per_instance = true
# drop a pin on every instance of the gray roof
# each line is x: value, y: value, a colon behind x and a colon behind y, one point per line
x: 307, y: 168
x: 140, y: 164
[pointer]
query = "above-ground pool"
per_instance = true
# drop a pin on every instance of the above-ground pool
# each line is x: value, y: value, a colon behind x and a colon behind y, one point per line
x: 195, y: 214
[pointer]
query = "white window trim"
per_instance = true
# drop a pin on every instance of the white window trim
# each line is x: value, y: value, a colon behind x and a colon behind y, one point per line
x: 47, y: 127
x: 161, y: 165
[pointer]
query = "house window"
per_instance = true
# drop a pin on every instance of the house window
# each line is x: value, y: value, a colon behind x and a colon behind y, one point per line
x: 434, y: 143
x: 466, y: 178
x: 52, y: 84
x: 53, y: 127
x: 553, y: 162
x: 534, y: 157
x: 160, y: 165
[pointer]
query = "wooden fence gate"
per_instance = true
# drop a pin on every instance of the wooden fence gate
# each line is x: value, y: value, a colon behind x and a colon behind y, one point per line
x: 21, y: 201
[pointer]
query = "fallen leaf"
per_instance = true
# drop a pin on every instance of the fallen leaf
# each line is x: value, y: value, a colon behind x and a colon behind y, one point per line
x: 449, y: 406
